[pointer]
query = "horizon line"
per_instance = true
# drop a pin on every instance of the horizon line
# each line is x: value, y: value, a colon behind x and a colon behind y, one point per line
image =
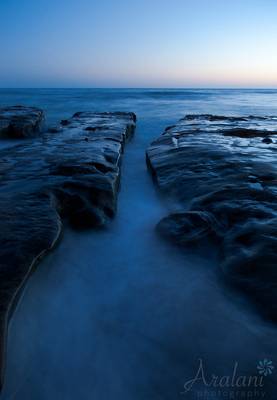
x: 135, y: 88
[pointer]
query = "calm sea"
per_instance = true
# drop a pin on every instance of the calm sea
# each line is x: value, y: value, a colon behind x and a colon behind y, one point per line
x: 162, y: 104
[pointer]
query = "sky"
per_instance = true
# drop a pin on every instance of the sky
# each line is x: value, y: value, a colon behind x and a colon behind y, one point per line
x: 138, y: 43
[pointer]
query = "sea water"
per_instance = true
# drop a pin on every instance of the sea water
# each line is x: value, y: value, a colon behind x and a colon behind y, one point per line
x: 120, y: 314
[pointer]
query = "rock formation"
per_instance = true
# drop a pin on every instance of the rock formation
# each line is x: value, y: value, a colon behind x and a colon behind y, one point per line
x: 72, y: 175
x: 223, y: 176
x: 19, y: 122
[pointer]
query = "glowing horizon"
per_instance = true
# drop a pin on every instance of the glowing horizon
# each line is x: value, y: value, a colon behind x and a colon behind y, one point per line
x: 148, y: 43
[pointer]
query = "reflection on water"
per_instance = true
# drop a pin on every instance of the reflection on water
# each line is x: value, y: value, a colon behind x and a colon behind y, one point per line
x: 117, y: 314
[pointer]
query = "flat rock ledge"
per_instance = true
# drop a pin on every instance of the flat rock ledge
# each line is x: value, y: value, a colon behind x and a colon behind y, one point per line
x: 18, y: 122
x: 71, y: 176
x: 225, y: 186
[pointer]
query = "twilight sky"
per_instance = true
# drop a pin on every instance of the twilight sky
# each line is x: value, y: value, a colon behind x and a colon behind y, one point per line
x: 138, y: 43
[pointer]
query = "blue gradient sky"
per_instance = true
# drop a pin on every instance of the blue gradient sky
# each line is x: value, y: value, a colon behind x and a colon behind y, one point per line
x: 138, y: 43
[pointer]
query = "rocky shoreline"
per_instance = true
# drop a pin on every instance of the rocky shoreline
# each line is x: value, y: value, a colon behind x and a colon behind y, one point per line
x: 70, y: 174
x: 217, y: 172
x: 21, y: 122
x: 221, y: 173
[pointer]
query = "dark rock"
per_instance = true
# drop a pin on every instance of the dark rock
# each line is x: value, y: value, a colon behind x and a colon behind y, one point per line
x: 30, y: 227
x: 94, y: 128
x: 247, y: 133
x: 228, y: 194
x: 249, y: 261
x: 65, y: 122
x: 227, y: 118
x: 55, y: 178
x: 20, y: 122
x: 213, y: 118
x: 267, y: 140
x: 187, y: 228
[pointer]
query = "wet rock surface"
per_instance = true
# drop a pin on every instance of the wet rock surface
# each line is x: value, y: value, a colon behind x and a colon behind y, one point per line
x: 72, y: 175
x: 19, y: 122
x: 223, y: 189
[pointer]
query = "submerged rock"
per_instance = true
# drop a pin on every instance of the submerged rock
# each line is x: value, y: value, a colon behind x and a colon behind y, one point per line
x: 20, y: 121
x: 190, y: 227
x: 227, y: 189
x: 55, y: 178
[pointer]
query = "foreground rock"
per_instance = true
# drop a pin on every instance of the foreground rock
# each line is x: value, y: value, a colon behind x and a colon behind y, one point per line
x: 226, y: 190
x: 18, y: 122
x: 68, y: 176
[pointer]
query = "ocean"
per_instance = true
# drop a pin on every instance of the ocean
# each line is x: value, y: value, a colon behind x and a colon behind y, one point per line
x: 118, y: 313
x: 163, y: 104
